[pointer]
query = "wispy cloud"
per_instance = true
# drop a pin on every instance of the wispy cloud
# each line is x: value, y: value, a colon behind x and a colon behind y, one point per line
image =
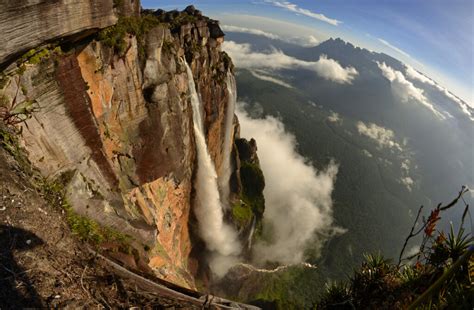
x: 405, y: 172
x: 386, y: 43
x: 264, y: 76
x: 327, y: 68
x: 405, y: 90
x: 296, y: 9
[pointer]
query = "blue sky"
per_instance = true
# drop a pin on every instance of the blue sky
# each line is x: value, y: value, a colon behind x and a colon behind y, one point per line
x: 434, y: 36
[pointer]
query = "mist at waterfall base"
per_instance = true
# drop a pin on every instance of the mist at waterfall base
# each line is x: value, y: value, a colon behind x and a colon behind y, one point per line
x: 298, y: 203
x: 220, y: 238
x: 298, y: 197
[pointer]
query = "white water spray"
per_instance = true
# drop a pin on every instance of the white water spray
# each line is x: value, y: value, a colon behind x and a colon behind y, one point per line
x: 252, y: 230
x: 226, y: 167
x: 218, y: 236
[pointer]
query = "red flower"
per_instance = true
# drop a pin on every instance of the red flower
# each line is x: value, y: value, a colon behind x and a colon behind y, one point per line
x: 418, y: 265
x: 431, y: 223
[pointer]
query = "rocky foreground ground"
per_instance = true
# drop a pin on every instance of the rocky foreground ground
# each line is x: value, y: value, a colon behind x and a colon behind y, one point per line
x: 43, y: 265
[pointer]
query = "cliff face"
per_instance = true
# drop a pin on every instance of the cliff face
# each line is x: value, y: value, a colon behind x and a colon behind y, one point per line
x: 25, y: 24
x: 119, y: 125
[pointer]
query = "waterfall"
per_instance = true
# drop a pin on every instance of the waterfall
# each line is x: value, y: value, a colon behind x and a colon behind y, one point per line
x: 252, y: 230
x: 218, y: 236
x: 226, y: 168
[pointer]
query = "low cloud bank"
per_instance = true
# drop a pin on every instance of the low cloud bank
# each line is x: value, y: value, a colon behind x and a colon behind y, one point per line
x: 250, y: 31
x: 415, y: 75
x: 405, y: 90
x: 327, y: 68
x: 298, y: 197
x: 306, y: 41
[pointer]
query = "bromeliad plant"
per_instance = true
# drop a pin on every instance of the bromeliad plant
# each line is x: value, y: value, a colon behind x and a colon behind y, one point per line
x: 435, y: 245
x: 442, y: 260
x: 438, y: 279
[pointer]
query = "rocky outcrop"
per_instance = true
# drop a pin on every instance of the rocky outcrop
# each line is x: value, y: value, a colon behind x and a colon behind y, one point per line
x: 119, y: 125
x: 25, y: 24
x: 247, y: 183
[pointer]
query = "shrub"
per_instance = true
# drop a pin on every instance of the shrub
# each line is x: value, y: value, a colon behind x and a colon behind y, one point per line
x: 114, y: 36
x: 118, y: 3
x: 35, y: 56
x: 242, y: 213
x: 439, y: 279
x: 253, y: 183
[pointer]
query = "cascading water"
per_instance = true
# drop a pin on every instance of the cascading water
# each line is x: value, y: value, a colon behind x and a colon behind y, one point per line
x: 252, y: 230
x: 218, y: 236
x: 226, y: 168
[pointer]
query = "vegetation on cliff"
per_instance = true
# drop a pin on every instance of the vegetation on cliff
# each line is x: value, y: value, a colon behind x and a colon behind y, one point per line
x: 114, y: 36
x: 248, y: 208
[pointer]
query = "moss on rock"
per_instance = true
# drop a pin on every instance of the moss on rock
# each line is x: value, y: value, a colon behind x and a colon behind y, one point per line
x: 242, y: 213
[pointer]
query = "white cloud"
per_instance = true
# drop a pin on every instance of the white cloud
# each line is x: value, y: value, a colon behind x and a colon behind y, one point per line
x: 408, y: 182
x: 405, y: 90
x: 297, y: 196
x: 335, y: 118
x: 367, y: 153
x: 259, y: 32
x: 332, y: 70
x: 405, y: 172
x: 406, y: 165
x: 393, y: 47
x: 415, y: 75
x: 327, y: 68
x: 296, y: 9
x: 306, y: 41
x: 383, y: 136
x: 312, y: 40
x: 263, y: 75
